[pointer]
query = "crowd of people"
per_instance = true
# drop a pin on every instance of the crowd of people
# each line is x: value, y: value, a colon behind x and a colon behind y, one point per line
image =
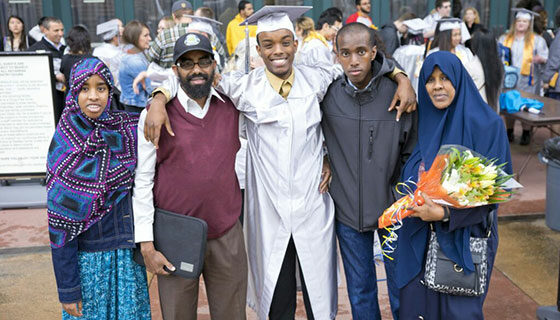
x: 286, y: 136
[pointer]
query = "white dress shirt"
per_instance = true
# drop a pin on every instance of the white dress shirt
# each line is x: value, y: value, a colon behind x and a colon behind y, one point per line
x: 142, y: 196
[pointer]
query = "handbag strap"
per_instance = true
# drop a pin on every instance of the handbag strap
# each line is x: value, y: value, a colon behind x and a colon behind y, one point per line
x: 490, y: 223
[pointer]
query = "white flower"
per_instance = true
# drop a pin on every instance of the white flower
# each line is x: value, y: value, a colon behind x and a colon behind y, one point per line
x: 452, y: 184
x: 486, y: 183
x: 489, y: 170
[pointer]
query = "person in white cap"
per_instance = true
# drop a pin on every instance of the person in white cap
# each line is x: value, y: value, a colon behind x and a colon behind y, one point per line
x: 206, y: 26
x: 529, y: 53
x: 289, y: 217
x: 110, y: 52
x: 450, y: 34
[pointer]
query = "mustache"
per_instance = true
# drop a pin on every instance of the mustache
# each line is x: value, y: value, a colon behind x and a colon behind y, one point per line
x: 198, y: 75
x: 200, y: 90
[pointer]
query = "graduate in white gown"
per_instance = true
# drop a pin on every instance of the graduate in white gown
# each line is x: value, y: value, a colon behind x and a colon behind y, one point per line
x: 313, y: 47
x: 529, y: 53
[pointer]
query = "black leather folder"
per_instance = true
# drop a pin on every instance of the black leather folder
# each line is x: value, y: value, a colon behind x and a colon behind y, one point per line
x: 181, y: 239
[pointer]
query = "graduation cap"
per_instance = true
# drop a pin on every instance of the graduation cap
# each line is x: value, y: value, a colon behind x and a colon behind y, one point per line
x: 449, y: 23
x: 454, y: 23
x: 272, y: 18
x: 202, y: 24
x: 107, y: 30
x: 416, y: 26
x: 522, y: 13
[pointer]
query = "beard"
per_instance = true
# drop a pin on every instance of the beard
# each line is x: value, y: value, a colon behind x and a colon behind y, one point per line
x: 197, y: 91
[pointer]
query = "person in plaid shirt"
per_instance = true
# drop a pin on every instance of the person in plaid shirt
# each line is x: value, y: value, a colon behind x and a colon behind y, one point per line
x: 161, y: 50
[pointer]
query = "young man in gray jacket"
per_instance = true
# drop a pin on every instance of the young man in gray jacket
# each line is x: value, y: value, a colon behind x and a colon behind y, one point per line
x: 367, y: 148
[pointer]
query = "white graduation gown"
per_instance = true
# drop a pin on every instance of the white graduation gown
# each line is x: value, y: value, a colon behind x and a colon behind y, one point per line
x: 284, y: 162
x: 314, y: 52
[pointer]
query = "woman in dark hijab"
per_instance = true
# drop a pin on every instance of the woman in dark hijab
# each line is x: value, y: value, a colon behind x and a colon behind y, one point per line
x: 450, y: 111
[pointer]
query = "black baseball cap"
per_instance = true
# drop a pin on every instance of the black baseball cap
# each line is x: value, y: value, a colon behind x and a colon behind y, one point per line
x: 191, y: 42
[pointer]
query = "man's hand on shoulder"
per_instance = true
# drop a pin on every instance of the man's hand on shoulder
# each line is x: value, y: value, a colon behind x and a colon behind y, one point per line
x: 155, y: 118
x: 405, y: 97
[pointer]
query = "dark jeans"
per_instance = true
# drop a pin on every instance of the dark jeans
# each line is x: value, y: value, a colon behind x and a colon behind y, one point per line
x: 359, y: 266
x: 283, y: 306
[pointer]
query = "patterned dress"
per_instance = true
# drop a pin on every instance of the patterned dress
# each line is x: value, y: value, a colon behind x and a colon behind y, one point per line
x: 113, y: 286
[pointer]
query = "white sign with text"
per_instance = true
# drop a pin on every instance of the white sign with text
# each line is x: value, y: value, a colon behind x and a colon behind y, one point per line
x: 26, y: 113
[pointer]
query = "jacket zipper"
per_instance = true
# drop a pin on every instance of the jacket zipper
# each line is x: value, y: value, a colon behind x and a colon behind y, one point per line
x: 370, y: 148
x: 360, y: 213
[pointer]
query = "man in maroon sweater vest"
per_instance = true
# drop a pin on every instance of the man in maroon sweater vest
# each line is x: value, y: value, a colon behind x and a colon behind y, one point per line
x: 193, y: 173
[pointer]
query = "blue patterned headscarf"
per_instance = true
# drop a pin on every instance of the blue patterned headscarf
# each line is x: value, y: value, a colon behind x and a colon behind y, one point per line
x: 467, y: 121
x: 91, y: 162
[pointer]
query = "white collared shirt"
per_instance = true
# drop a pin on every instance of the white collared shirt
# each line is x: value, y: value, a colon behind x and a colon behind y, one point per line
x: 57, y: 46
x: 143, y: 198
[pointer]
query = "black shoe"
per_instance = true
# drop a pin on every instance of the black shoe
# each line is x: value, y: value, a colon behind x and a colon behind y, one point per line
x: 525, y: 138
x: 510, y: 135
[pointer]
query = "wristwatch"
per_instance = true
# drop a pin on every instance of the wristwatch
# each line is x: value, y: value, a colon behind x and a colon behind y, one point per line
x: 446, y: 214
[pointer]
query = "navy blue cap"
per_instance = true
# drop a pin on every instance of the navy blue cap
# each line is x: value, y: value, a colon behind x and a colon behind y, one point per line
x: 191, y: 42
x: 181, y: 5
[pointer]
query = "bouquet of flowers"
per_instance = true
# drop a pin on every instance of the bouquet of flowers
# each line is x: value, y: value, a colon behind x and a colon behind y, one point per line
x: 459, y: 178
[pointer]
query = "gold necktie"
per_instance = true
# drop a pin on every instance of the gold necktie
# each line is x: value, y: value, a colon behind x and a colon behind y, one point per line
x: 285, y: 89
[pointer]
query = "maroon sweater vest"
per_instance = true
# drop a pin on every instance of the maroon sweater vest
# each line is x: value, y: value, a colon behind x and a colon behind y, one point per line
x: 195, y: 170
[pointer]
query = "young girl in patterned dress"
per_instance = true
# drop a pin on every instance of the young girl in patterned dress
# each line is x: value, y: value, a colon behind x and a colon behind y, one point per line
x: 90, y: 170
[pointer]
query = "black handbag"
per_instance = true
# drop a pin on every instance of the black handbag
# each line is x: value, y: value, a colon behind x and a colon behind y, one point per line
x: 181, y: 239
x: 444, y: 275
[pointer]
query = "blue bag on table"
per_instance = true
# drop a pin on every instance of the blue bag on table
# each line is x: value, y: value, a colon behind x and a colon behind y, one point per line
x: 512, y: 102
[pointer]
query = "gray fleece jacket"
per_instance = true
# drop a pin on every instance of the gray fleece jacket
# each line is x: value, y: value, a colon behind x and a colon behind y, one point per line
x: 367, y: 147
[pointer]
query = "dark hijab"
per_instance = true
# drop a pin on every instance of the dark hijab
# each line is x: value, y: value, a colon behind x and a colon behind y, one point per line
x: 468, y: 121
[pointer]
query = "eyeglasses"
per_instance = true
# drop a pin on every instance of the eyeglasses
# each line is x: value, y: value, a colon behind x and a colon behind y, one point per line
x: 189, y: 64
